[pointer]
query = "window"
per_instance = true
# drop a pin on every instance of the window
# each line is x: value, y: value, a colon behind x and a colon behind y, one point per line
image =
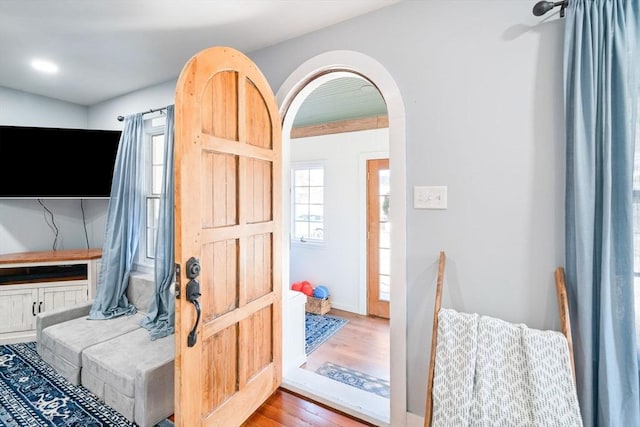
x: 154, y: 167
x: 308, y: 202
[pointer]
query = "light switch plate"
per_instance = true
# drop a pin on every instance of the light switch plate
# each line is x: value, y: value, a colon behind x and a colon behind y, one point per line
x: 430, y: 197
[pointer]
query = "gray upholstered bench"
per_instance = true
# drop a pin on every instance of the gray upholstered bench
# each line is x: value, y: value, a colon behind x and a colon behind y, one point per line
x: 115, y: 359
x: 133, y: 375
x: 61, y: 344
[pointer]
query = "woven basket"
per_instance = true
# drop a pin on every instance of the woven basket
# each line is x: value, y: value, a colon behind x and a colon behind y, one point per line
x: 318, y: 305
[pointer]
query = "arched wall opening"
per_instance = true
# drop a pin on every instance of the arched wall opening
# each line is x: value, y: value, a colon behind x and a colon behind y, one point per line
x: 290, y: 96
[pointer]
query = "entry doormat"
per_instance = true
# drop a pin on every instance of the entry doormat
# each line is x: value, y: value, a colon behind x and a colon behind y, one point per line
x: 33, y: 394
x: 318, y: 328
x: 355, y: 379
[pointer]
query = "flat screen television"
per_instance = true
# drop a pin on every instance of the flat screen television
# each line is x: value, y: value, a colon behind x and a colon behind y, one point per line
x: 56, y: 163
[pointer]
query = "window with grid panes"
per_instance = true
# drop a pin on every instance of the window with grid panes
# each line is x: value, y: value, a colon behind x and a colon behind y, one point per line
x: 308, y: 203
x: 154, y: 167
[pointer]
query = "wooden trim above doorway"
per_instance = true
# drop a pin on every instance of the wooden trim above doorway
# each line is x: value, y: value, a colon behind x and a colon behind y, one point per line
x: 342, y: 126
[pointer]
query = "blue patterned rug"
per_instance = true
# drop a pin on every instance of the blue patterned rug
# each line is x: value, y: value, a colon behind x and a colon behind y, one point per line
x: 33, y: 394
x: 355, y: 379
x: 319, y: 328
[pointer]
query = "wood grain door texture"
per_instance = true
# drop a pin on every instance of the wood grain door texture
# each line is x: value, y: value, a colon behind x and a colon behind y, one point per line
x: 228, y: 219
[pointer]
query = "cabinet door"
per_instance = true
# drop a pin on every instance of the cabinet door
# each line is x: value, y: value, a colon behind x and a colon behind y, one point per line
x: 18, y: 307
x: 55, y: 297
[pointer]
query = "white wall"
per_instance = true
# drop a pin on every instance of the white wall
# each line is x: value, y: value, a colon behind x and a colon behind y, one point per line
x: 482, y: 88
x: 105, y: 114
x: 338, y: 262
x: 24, y: 109
x: 25, y: 225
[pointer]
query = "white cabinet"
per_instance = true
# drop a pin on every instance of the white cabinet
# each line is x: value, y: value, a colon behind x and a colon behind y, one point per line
x: 293, y: 355
x: 53, y: 297
x: 19, y: 304
x: 15, y: 309
x: 34, y: 282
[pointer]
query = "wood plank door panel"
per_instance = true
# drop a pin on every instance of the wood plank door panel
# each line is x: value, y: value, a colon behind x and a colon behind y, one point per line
x: 228, y: 216
x: 379, y: 236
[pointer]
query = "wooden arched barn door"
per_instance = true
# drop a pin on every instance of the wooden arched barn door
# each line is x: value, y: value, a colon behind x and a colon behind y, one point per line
x: 228, y: 219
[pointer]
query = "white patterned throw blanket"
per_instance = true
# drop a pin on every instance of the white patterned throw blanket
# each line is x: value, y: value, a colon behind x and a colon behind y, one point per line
x: 489, y: 372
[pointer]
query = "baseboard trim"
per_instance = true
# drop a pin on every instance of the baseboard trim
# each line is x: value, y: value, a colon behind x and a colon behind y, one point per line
x: 414, y: 420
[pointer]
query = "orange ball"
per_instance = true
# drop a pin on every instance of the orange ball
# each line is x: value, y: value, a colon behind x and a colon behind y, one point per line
x: 297, y: 286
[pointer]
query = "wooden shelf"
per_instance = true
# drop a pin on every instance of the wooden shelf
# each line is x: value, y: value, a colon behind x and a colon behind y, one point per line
x: 50, y: 256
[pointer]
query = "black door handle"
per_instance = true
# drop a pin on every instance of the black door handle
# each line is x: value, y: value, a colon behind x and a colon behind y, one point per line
x: 193, y: 335
x: 193, y: 293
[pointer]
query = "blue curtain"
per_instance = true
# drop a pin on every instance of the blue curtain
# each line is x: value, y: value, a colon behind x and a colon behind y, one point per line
x: 124, y: 219
x: 601, y: 89
x: 160, y: 319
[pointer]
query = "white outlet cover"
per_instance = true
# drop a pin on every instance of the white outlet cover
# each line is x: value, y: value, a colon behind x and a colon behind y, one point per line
x: 433, y: 197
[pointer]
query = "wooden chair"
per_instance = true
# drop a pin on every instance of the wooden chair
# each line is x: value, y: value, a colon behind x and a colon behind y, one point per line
x: 565, y: 326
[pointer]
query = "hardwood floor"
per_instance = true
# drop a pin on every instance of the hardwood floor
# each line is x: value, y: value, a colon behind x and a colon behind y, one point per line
x: 362, y: 344
x: 287, y: 409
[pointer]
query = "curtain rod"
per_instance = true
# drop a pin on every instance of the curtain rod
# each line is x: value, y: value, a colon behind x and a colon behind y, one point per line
x: 152, y: 110
x: 543, y: 7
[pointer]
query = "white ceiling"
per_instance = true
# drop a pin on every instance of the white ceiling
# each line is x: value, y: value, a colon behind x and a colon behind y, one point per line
x: 106, y: 48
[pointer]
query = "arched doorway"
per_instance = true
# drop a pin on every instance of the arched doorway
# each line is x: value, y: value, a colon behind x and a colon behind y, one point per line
x: 292, y: 93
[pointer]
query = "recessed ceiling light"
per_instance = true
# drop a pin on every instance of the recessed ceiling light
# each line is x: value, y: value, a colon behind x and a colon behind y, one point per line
x: 44, y: 66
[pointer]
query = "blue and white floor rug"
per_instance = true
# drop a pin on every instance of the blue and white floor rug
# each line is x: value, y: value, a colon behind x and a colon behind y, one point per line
x: 355, y: 379
x: 33, y: 394
x: 318, y: 328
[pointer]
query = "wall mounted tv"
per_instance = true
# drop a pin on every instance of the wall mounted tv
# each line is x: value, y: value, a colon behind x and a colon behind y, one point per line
x: 56, y: 163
